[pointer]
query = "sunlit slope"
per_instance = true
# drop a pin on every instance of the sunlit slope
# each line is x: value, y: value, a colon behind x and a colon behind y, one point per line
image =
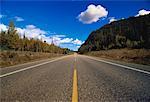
x: 133, y: 32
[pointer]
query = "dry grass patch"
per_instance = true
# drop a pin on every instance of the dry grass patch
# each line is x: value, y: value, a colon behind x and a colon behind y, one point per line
x: 9, y: 58
x: 140, y: 56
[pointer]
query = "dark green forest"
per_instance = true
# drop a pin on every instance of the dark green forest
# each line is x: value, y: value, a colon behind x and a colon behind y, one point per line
x: 10, y: 40
x: 133, y: 32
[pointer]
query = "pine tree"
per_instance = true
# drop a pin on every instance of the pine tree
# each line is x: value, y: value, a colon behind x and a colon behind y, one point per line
x: 12, y: 37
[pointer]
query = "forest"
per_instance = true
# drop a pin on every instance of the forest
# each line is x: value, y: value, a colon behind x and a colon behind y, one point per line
x: 133, y: 33
x: 11, y: 41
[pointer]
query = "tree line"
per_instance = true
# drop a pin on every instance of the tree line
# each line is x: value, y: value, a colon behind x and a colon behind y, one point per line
x: 10, y: 40
x: 133, y: 32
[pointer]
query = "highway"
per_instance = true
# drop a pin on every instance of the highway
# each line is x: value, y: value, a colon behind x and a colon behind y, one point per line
x: 74, y: 78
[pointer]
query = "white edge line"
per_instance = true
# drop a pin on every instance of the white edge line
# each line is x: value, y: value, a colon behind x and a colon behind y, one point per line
x: 127, y: 67
x: 20, y: 70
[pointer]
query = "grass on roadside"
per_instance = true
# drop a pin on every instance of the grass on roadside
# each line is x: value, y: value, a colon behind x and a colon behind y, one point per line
x: 139, y: 56
x: 9, y: 58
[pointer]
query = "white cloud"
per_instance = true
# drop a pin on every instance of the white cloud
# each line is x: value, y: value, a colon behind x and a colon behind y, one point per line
x: 31, y: 31
x: 18, y: 19
x: 142, y: 12
x: 78, y: 47
x: 112, y: 19
x: 30, y: 26
x: 50, y: 40
x: 66, y: 40
x: 92, y: 14
x: 61, y: 41
x: 21, y: 31
x: 3, y: 27
x: 77, y: 42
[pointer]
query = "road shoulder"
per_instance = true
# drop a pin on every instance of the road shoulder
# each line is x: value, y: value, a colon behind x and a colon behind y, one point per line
x: 28, y: 64
x: 133, y: 65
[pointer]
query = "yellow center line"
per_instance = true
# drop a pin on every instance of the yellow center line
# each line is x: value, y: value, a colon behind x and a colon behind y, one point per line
x: 75, y: 87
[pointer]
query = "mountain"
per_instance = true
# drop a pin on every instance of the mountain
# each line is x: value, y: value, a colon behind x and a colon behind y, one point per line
x: 133, y: 32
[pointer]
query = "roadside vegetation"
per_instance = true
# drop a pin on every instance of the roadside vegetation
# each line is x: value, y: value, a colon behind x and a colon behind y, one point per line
x: 133, y: 33
x: 126, y: 39
x: 139, y: 56
x: 9, y: 58
x: 15, y: 50
x: 10, y: 40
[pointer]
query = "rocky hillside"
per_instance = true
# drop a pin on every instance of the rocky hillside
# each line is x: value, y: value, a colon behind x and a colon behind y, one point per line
x: 133, y: 32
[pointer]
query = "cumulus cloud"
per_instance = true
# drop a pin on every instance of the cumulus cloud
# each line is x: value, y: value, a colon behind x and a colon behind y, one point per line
x: 30, y: 26
x: 19, y: 19
x: 112, y: 19
x: 142, y: 12
x: 92, y: 14
x: 3, y: 27
x: 66, y: 40
x: 77, y: 42
x: 61, y: 41
x: 78, y: 47
x: 31, y: 31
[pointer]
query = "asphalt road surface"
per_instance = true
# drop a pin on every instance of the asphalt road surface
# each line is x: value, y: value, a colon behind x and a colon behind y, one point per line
x: 74, y: 78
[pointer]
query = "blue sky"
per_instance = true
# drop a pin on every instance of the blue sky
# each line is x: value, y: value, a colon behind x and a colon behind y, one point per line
x: 63, y: 22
